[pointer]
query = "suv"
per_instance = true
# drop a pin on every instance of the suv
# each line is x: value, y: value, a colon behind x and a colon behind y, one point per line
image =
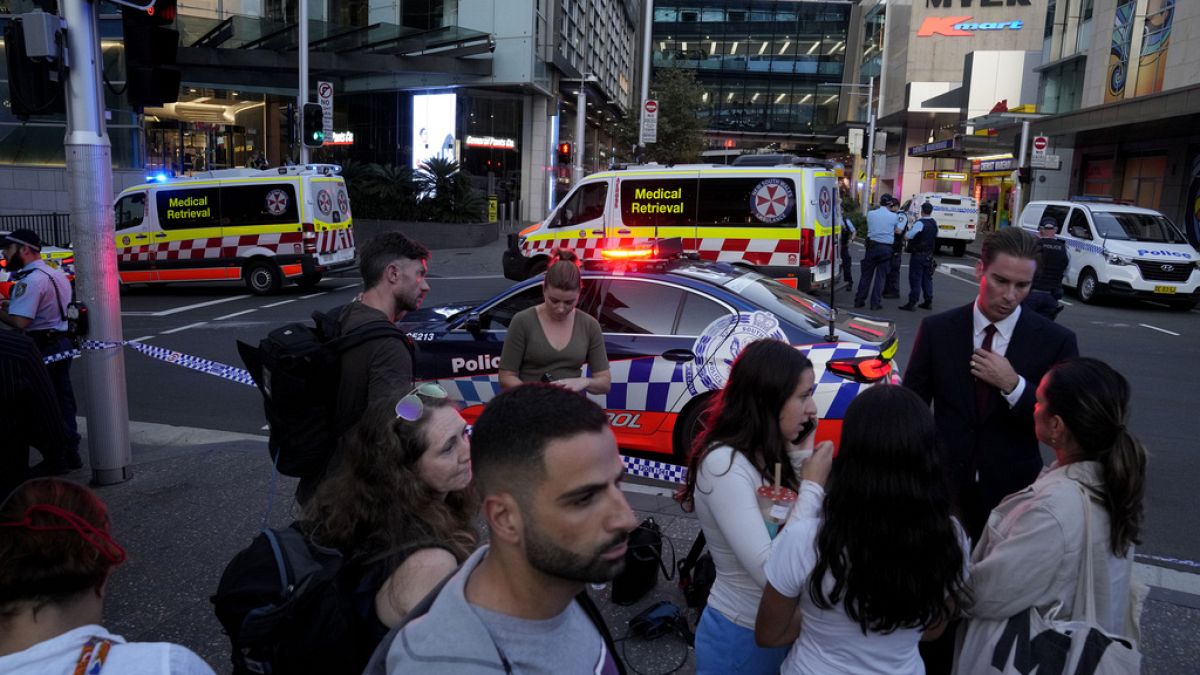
x: 1121, y: 250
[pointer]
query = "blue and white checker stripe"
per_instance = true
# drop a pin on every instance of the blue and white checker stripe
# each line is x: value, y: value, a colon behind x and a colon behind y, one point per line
x: 646, y: 468
x: 196, y: 363
x: 651, y: 383
x: 833, y: 393
x: 473, y: 390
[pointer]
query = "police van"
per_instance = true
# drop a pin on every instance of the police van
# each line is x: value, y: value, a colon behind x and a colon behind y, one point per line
x: 1121, y: 250
x: 777, y: 220
x: 956, y: 216
x: 261, y: 226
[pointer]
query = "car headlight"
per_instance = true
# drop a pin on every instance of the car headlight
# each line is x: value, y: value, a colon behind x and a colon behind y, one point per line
x: 1117, y: 259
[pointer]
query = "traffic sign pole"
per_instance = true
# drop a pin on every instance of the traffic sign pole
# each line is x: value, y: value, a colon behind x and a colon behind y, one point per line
x: 1019, y: 190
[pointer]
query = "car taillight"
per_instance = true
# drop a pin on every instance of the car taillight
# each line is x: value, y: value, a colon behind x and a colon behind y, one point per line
x: 865, y: 369
x: 308, y: 238
x: 808, y: 257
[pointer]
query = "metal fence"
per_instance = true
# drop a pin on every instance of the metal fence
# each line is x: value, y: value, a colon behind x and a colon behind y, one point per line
x: 53, y: 228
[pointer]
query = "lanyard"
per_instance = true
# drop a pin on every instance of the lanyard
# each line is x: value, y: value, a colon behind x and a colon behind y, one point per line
x: 92, y: 656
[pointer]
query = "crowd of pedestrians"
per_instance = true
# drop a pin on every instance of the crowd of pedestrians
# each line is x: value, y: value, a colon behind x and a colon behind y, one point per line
x: 904, y: 549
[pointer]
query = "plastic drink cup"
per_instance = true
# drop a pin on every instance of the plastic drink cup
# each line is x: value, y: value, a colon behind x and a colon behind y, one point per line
x: 776, y: 503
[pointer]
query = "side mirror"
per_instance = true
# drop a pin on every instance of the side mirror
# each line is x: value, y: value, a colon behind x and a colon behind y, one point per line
x: 472, y: 323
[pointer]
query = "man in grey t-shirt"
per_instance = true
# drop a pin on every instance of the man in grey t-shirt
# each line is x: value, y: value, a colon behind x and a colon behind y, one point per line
x: 548, y: 470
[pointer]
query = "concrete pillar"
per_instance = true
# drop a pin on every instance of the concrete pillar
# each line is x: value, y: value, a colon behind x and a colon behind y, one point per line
x: 536, y: 154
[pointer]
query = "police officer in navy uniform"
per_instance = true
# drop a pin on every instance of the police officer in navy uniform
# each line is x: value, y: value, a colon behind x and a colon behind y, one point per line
x: 38, y: 306
x: 883, y: 224
x: 1047, y: 284
x: 922, y: 240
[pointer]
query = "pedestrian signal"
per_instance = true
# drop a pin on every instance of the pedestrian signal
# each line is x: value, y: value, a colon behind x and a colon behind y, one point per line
x: 314, y: 125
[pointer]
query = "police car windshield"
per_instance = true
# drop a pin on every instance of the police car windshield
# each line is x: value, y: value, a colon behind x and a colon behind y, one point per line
x: 785, y: 302
x: 1137, y: 227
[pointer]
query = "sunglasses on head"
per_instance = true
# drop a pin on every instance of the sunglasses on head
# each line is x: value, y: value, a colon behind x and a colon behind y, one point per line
x: 410, y: 407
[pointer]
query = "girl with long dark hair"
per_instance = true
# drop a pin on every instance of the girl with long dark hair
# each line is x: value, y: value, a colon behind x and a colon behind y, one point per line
x: 1033, y: 546
x: 399, y: 506
x: 753, y: 426
x: 879, y: 563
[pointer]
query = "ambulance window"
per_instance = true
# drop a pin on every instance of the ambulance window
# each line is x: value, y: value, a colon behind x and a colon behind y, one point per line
x: 639, y: 307
x: 130, y: 211
x: 670, y: 202
x: 1079, y: 225
x: 697, y: 313
x: 586, y: 204
x: 187, y: 208
x: 747, y: 202
x: 264, y: 204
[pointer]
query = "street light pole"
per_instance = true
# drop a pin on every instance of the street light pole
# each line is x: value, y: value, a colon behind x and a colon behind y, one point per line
x: 1015, y: 217
x: 302, y: 98
x: 866, y: 203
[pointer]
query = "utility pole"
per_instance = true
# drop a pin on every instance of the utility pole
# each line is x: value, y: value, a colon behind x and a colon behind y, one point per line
x: 302, y: 49
x: 647, y: 41
x: 89, y: 190
x: 867, y: 189
x: 1015, y: 218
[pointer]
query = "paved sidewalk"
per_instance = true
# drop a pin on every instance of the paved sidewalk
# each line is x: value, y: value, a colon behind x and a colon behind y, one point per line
x: 198, y: 496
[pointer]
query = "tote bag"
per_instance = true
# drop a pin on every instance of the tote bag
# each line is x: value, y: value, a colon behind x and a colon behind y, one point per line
x: 1042, y: 643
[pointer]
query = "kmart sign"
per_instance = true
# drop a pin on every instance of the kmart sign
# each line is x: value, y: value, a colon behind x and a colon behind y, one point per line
x: 963, y: 26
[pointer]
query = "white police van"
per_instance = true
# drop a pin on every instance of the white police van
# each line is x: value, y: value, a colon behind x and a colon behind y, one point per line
x: 956, y: 216
x: 1121, y: 250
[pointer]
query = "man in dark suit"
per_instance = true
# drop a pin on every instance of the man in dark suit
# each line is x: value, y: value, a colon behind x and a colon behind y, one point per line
x: 980, y: 366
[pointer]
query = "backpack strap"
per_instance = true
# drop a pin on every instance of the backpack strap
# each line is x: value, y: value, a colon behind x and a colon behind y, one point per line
x: 593, y: 614
x: 688, y: 563
x: 329, y: 324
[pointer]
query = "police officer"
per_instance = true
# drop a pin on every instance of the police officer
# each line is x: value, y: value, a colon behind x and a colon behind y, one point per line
x: 891, y: 289
x: 883, y: 224
x: 922, y: 239
x: 1047, y: 283
x: 38, y: 306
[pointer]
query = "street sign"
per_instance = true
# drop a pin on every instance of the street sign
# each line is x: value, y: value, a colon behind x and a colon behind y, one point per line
x: 649, y: 122
x: 325, y: 98
x: 1048, y: 162
x: 1040, y: 143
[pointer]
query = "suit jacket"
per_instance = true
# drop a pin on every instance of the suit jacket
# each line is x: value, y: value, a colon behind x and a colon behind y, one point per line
x: 999, y: 442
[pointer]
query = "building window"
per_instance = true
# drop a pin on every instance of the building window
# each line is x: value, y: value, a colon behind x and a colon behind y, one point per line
x: 1098, y: 177
x: 1142, y: 183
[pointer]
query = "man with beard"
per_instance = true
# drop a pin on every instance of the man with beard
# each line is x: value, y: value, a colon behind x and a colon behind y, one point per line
x: 38, y: 306
x: 549, y: 474
x: 393, y: 269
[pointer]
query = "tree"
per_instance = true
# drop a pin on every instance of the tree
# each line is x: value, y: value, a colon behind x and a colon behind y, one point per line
x: 680, y: 129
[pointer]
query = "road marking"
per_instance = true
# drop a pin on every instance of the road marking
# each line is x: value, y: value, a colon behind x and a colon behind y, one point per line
x: 198, y: 305
x: 183, y: 328
x: 266, y: 427
x: 1161, y: 330
x: 276, y: 304
x: 342, y: 288
x: 137, y: 313
x: 144, y: 338
x: 951, y: 274
x: 311, y: 295
x: 1068, y: 304
x: 230, y: 316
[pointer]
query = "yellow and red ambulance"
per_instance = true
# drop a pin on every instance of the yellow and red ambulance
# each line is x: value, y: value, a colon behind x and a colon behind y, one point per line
x: 261, y: 226
x: 778, y: 220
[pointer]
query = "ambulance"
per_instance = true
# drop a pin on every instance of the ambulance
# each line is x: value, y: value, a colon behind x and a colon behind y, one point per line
x: 777, y: 220
x: 263, y: 227
x: 956, y: 216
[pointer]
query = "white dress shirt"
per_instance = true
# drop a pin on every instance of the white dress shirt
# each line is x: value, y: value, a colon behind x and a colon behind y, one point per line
x: 1004, y: 332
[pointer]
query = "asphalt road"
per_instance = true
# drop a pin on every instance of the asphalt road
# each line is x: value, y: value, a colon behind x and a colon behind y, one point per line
x: 1152, y: 345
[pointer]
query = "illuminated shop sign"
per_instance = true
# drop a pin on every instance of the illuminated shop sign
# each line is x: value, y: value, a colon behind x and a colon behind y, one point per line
x: 491, y: 142
x: 340, y: 138
x: 963, y: 26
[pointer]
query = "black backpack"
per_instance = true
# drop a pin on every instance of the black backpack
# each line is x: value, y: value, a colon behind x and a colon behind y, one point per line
x: 697, y: 574
x: 643, y: 560
x: 298, y: 368
x: 288, y: 606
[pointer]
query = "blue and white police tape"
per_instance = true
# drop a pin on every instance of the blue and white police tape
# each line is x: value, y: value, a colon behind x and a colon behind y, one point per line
x: 85, y: 345
x: 196, y: 363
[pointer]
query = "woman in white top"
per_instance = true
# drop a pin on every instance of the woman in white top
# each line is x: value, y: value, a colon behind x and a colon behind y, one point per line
x: 876, y: 563
x: 1031, y: 551
x: 752, y: 426
x: 56, y: 553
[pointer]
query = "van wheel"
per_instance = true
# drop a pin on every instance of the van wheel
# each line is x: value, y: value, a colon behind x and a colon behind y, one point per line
x: 959, y: 247
x: 1089, y: 287
x: 537, y: 267
x: 309, y: 280
x: 688, y: 426
x: 263, y: 277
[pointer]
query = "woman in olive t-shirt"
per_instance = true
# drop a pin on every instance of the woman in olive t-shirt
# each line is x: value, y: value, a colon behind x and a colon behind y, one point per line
x: 550, y: 342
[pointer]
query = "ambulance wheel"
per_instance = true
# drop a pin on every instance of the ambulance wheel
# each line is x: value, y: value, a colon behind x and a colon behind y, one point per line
x: 1089, y: 287
x: 959, y: 248
x: 537, y: 267
x: 263, y: 277
x: 308, y: 280
x: 688, y: 426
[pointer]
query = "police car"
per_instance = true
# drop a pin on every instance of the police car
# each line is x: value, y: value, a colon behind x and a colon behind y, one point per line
x: 671, y: 328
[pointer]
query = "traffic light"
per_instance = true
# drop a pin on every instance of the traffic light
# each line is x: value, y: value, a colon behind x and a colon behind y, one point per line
x: 564, y: 153
x: 150, y: 52
x: 314, y: 125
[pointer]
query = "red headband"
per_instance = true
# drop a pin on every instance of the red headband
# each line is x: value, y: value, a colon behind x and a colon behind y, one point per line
x: 93, y: 535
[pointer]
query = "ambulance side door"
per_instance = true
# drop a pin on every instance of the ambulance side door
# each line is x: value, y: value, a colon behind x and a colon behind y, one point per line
x: 132, y: 224
x: 578, y: 224
x: 655, y: 206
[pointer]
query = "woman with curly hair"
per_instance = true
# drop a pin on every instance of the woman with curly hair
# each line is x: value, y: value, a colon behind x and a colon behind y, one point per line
x: 56, y: 554
x: 399, y: 506
x: 875, y: 563
x: 756, y: 425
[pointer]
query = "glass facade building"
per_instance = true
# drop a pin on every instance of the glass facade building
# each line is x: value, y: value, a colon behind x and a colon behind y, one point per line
x: 766, y: 67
